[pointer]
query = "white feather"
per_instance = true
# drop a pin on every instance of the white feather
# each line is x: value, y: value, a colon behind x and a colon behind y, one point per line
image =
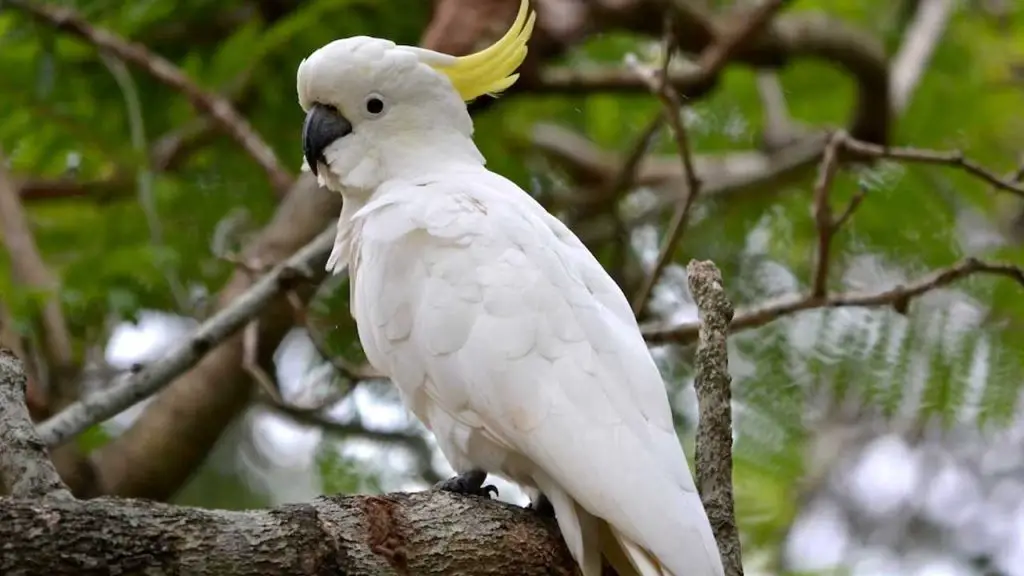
x: 511, y: 343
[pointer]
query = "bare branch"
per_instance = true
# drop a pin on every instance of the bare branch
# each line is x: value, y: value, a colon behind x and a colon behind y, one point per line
x: 138, y: 386
x: 25, y: 467
x: 951, y: 158
x: 672, y: 105
x: 919, y: 43
x: 316, y: 417
x: 713, y: 58
x: 823, y: 217
x: 213, y: 105
x: 714, y: 396
x: 419, y: 533
x: 251, y: 361
x: 899, y: 295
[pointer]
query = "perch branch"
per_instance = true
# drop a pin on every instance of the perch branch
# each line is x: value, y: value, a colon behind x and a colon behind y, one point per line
x: 140, y: 385
x: 714, y: 395
x: 218, y: 108
x: 430, y: 532
x: 25, y: 467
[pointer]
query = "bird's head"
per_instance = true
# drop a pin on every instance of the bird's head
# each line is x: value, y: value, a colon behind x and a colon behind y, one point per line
x: 375, y: 109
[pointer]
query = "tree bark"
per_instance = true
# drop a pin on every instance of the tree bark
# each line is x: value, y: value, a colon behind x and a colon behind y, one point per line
x: 408, y: 534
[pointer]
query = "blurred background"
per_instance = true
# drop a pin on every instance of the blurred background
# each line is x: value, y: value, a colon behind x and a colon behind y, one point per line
x: 883, y: 441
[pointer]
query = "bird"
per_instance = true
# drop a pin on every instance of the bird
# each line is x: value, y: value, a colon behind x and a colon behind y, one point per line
x: 502, y: 332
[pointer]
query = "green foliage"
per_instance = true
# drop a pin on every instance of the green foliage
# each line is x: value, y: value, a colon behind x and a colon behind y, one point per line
x: 341, y: 475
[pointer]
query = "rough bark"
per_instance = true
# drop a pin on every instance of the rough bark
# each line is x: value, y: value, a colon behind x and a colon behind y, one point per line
x: 714, y: 396
x: 420, y: 533
x: 25, y: 469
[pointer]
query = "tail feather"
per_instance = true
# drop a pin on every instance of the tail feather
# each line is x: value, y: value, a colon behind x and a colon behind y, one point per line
x: 579, y: 528
x: 640, y: 559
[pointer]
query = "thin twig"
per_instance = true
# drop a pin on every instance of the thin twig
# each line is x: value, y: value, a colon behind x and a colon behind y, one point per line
x: 25, y: 467
x: 714, y: 430
x: 218, y: 108
x: 823, y: 217
x: 712, y: 59
x: 722, y: 50
x: 898, y: 295
x: 952, y: 158
x: 251, y: 360
x: 138, y: 386
x: 672, y: 105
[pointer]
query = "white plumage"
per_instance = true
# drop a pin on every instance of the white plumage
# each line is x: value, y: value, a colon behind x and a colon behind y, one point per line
x: 505, y: 336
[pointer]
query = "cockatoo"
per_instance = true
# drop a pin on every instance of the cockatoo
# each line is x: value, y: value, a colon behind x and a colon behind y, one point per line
x: 504, y: 335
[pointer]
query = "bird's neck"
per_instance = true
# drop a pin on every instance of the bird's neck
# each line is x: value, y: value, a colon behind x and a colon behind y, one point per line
x: 411, y: 157
x: 365, y: 166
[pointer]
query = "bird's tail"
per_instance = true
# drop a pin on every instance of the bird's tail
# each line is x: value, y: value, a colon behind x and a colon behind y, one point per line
x: 627, y: 558
x: 590, y: 538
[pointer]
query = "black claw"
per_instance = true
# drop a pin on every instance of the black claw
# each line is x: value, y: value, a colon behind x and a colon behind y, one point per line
x: 542, y: 506
x: 471, y: 482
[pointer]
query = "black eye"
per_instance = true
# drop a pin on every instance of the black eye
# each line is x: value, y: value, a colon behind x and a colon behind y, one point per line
x: 374, y: 105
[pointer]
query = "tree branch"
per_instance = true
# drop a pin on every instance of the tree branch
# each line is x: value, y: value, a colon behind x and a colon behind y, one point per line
x: 659, y: 85
x: 213, y: 105
x: 142, y: 384
x: 30, y: 270
x: 714, y: 429
x: 176, y: 431
x: 919, y: 42
x: 952, y: 158
x: 25, y: 467
x: 897, y: 296
x: 411, y: 534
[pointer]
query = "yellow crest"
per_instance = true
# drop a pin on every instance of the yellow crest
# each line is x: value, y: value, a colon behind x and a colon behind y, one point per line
x: 491, y: 70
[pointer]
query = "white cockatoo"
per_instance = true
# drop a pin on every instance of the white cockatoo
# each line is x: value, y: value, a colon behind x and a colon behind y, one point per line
x: 506, y: 337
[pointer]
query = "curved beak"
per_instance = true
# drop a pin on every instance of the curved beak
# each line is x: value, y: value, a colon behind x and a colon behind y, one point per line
x: 323, y: 125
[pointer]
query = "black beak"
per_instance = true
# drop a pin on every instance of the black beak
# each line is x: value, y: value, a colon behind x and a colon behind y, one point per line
x: 323, y: 125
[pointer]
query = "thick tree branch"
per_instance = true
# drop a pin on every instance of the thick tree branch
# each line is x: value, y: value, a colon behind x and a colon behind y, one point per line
x: 213, y: 105
x: 714, y: 396
x: 25, y: 467
x: 302, y: 266
x: 423, y: 533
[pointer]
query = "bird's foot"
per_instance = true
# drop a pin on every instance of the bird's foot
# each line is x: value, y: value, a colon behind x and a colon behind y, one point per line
x: 542, y: 506
x: 471, y: 482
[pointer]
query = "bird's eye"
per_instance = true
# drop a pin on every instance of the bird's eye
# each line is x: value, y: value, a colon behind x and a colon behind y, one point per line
x: 374, y: 105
